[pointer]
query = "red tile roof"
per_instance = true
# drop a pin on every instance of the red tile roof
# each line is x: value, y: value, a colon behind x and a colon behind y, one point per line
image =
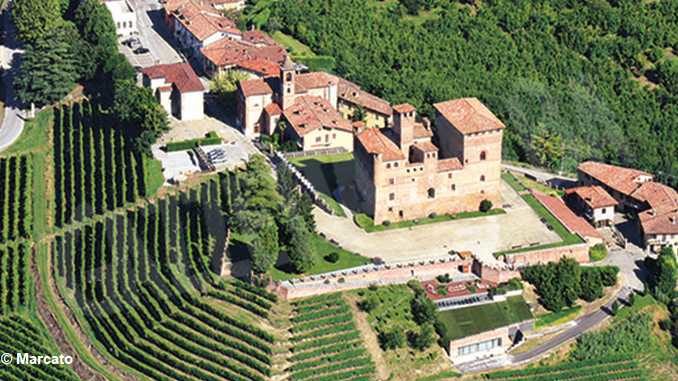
x: 227, y: 53
x: 200, y: 19
x: 659, y: 197
x: 273, y: 109
x: 257, y: 86
x: 258, y: 37
x: 375, y: 142
x: 572, y: 222
x: 451, y: 164
x: 314, y: 80
x: 403, y: 108
x: 263, y: 68
x: 309, y: 113
x: 352, y: 93
x: 420, y: 131
x: 653, y: 223
x: 426, y: 146
x: 594, y: 196
x: 623, y: 180
x: 180, y: 75
x: 469, y: 115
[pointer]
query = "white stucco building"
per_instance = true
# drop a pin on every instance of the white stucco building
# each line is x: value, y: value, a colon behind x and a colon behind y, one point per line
x: 177, y: 88
x: 124, y: 17
x: 592, y: 202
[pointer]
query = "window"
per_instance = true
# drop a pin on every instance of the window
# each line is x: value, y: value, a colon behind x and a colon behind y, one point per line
x: 118, y: 24
x: 288, y: 77
x: 388, y: 165
x: 449, y: 175
x: 391, y: 196
x: 603, y: 211
x: 318, y: 139
x: 482, y: 177
x: 483, y: 155
x: 431, y: 193
x: 390, y: 209
x: 391, y: 180
x: 482, y: 346
x: 334, y: 136
x: 395, y: 164
x: 130, y: 23
x: 454, y: 187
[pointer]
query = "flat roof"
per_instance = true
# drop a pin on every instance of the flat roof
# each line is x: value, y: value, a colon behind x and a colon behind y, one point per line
x: 469, y: 321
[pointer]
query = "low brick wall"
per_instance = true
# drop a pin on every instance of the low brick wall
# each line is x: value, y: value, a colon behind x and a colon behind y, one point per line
x: 364, y: 276
x: 580, y: 253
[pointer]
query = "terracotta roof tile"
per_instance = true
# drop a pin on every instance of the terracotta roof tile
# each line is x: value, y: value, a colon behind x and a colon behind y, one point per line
x: 623, y: 180
x: 273, y: 109
x: 426, y: 147
x: 200, y: 19
x: 403, y: 108
x: 653, y: 223
x: 261, y: 67
x: 227, y: 53
x: 309, y: 113
x: 594, y: 196
x: 659, y: 197
x: 257, y: 86
x: 352, y: 93
x: 375, y: 142
x: 258, y: 37
x: 451, y: 164
x: 572, y: 222
x: 314, y: 80
x: 180, y: 75
x: 469, y: 115
x: 420, y: 131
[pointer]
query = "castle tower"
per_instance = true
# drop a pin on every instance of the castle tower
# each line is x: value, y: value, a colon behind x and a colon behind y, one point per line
x: 287, y: 90
x: 404, y: 116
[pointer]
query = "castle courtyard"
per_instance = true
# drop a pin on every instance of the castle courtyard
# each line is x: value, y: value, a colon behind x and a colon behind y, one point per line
x: 519, y: 226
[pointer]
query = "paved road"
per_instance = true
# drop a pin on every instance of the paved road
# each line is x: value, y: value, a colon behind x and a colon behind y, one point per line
x: 542, y: 175
x: 12, y: 124
x: 153, y: 35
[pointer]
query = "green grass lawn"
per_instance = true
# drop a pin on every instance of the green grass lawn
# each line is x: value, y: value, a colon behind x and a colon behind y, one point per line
x: 34, y: 135
x: 366, y: 222
x: 294, y: 46
x: 513, y: 182
x: 322, y: 248
x: 559, y: 317
x: 327, y: 173
x: 153, y: 177
x: 469, y: 321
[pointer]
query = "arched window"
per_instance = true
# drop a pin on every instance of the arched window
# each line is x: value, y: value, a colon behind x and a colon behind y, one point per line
x: 483, y: 155
x: 482, y: 177
x: 288, y: 77
x: 431, y: 193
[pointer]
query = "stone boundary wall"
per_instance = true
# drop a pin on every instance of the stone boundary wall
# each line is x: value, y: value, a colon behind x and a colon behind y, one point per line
x: 580, y: 253
x: 316, y: 152
x: 364, y: 276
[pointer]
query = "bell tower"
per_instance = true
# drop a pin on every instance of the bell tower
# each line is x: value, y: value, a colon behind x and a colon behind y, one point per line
x: 287, y: 91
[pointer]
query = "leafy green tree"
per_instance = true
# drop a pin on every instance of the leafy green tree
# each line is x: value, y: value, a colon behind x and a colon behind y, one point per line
x: 392, y: 339
x: 547, y: 148
x: 136, y: 107
x: 299, y: 249
x: 569, y: 276
x: 485, y: 206
x: 423, y: 309
x: 47, y: 72
x: 424, y: 338
x: 98, y: 30
x: 258, y: 197
x: 369, y: 304
x: 36, y: 20
x: 264, y: 249
x: 667, y: 73
x: 663, y: 274
x: 591, y: 285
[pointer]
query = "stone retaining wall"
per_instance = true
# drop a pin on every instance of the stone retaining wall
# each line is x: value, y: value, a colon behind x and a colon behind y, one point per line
x: 580, y: 253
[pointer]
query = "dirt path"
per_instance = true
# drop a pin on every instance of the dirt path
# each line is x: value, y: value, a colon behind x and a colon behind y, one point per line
x: 370, y: 340
x: 83, y: 371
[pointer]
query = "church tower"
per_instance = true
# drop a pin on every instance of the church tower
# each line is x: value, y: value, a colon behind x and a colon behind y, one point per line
x: 287, y: 91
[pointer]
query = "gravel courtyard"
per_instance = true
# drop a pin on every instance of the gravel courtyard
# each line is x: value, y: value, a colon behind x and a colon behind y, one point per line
x: 483, y: 236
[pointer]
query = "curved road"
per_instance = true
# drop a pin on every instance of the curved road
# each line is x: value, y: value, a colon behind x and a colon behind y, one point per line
x: 13, y: 122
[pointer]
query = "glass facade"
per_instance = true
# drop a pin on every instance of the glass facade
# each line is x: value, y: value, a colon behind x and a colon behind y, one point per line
x: 482, y: 346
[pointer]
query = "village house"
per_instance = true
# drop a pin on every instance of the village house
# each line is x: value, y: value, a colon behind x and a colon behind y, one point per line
x: 352, y: 99
x: 124, y: 17
x: 402, y: 175
x: 196, y: 24
x: 592, y: 202
x: 655, y: 204
x: 228, y: 5
x: 259, y: 61
x: 177, y: 88
x: 307, y: 106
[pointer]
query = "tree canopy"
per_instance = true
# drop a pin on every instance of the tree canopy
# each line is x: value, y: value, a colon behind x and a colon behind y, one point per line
x: 36, y: 20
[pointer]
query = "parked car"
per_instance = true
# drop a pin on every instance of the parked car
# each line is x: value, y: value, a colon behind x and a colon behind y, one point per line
x: 140, y: 50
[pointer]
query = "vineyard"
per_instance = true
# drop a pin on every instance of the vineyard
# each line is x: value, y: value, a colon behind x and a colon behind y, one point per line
x: 141, y: 282
x: 95, y: 168
x: 15, y: 284
x: 326, y: 346
x: 609, y: 368
x: 18, y: 335
x: 15, y: 198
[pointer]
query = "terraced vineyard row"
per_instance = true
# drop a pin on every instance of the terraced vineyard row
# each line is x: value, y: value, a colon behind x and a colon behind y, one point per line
x: 18, y: 335
x: 95, y: 169
x: 140, y: 282
x: 326, y: 343
x: 602, y: 369
x: 15, y: 283
x: 15, y: 198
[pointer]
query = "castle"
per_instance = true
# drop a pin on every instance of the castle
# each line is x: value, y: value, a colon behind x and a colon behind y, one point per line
x: 402, y: 175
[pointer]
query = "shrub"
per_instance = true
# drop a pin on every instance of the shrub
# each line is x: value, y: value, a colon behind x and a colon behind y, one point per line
x: 368, y: 304
x: 386, y: 223
x: 485, y: 206
x: 597, y: 252
x: 332, y: 257
x: 433, y: 215
x: 443, y: 278
x: 391, y: 340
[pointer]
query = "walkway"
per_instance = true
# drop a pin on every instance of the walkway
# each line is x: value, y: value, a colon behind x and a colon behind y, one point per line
x: 12, y: 124
x: 542, y: 175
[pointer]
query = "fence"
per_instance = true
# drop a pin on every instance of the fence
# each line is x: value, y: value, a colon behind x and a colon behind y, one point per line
x: 316, y: 152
